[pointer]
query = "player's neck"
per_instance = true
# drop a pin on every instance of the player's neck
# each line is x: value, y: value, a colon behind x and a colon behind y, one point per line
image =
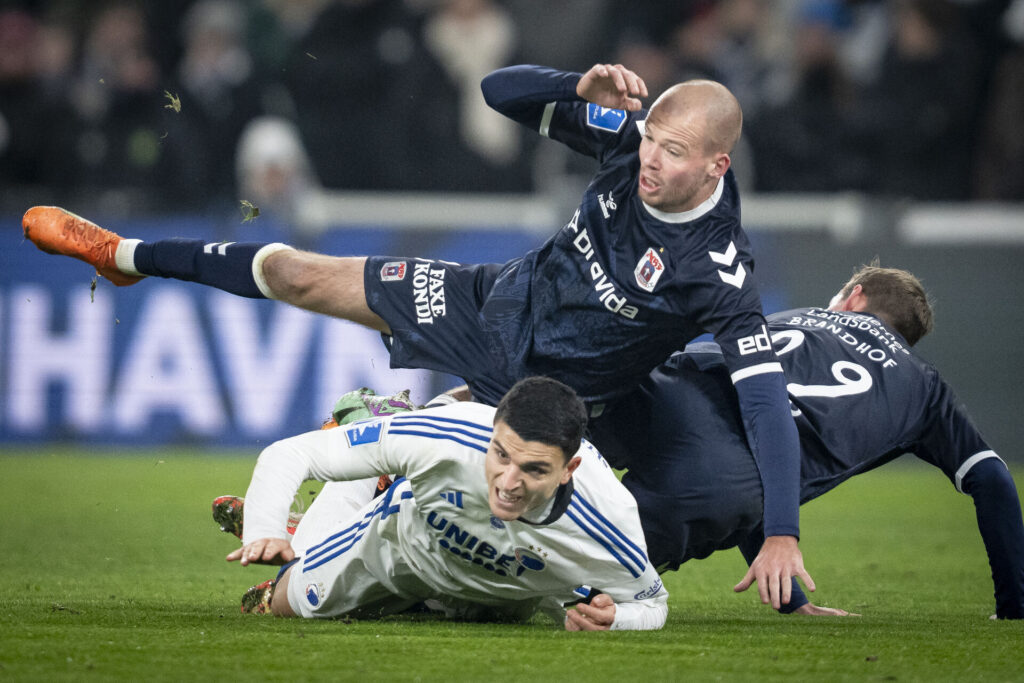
x: 691, y: 215
x: 541, y: 512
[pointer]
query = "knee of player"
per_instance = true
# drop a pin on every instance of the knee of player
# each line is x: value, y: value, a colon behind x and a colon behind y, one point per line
x: 289, y: 274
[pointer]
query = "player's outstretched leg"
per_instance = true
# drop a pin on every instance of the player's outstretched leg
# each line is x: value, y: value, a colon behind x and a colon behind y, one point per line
x: 57, y: 231
x: 330, y: 285
x: 234, y: 267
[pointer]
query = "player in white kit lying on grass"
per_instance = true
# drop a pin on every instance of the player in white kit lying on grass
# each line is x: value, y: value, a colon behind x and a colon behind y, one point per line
x: 494, y: 513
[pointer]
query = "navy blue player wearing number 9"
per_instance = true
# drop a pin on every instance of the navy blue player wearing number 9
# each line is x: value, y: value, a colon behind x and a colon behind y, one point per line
x: 860, y: 397
x: 654, y: 256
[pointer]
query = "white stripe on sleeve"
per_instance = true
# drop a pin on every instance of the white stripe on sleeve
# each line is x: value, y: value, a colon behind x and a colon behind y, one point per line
x: 756, y: 370
x: 545, y: 121
x: 971, y: 462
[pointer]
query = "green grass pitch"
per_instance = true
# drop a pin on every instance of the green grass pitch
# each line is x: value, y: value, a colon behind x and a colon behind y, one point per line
x: 113, y: 570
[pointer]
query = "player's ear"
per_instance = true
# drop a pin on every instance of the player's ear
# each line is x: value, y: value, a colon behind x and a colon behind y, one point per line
x: 719, y: 165
x: 849, y: 302
x: 570, y: 467
x: 858, y: 300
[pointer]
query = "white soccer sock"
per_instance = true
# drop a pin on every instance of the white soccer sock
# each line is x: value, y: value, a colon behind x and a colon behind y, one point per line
x: 124, y: 257
x: 257, y: 266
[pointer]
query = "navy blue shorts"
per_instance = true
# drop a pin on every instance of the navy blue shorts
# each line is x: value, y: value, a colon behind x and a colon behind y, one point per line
x: 681, y: 438
x: 471, y: 321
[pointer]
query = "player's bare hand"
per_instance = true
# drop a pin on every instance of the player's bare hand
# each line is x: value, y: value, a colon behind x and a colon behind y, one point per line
x: 774, y: 568
x: 597, y: 616
x: 263, y: 551
x: 813, y: 610
x: 613, y: 86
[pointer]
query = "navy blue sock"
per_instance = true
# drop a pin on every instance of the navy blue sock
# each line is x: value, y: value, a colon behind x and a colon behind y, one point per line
x: 224, y: 265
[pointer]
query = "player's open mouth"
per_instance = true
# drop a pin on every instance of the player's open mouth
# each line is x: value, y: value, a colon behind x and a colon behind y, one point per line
x: 506, y: 499
x: 646, y: 184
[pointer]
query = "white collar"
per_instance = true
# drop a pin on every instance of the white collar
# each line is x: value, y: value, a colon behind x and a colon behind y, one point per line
x: 694, y: 213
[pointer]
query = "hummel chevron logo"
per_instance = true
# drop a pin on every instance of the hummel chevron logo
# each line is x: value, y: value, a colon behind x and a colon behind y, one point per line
x: 726, y: 258
x: 220, y: 247
x: 735, y: 278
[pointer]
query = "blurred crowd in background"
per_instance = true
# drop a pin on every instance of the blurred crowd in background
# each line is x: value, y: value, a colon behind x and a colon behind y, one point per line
x: 189, y: 105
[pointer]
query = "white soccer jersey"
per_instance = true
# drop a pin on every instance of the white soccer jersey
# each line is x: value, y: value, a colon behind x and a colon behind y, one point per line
x: 436, y: 521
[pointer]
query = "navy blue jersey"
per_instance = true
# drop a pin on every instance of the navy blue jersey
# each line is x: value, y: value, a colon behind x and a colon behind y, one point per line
x: 860, y: 398
x: 622, y: 285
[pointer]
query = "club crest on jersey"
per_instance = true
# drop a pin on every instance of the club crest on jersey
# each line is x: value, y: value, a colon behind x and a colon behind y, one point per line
x: 364, y: 432
x: 313, y: 594
x: 604, y: 118
x: 529, y: 559
x: 649, y: 270
x: 392, y: 271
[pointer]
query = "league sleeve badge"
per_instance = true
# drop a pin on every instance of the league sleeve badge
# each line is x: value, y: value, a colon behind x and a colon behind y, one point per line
x: 604, y: 118
x: 364, y: 432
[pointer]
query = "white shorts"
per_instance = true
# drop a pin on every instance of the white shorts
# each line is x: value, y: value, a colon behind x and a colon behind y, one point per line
x: 336, y: 504
x: 354, y: 567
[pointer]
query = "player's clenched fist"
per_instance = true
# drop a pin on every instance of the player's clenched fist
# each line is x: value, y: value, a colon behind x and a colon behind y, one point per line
x: 597, y: 616
x: 613, y: 86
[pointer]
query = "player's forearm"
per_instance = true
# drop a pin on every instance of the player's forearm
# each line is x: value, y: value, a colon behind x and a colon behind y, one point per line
x: 641, y: 615
x: 521, y: 92
x: 999, y: 520
x: 775, y: 444
x: 277, y: 476
x: 282, y: 467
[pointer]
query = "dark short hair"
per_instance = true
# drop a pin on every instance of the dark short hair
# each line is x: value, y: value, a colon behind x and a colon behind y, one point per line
x: 544, y: 410
x: 895, y: 296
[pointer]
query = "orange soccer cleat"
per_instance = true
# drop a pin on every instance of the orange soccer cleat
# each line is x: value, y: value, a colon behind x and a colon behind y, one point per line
x: 57, y: 231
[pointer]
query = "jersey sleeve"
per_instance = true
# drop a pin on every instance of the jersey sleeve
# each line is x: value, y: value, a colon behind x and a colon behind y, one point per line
x: 545, y: 101
x: 641, y: 615
x: 354, y: 451
x: 949, y: 440
x: 605, y: 513
x: 953, y: 444
x: 739, y: 327
x: 997, y: 507
x: 775, y: 443
x: 523, y: 92
x: 729, y: 302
